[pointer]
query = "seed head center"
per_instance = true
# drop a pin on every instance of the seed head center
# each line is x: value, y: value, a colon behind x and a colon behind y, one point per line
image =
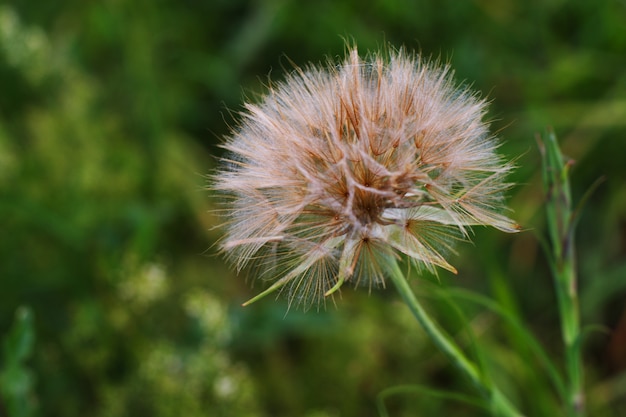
x: 367, y: 207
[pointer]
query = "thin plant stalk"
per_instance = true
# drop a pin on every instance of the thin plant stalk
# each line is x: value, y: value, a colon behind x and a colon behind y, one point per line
x: 500, y: 405
x: 561, y: 219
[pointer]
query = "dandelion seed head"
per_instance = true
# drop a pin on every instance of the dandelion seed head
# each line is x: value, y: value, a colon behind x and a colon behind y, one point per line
x: 340, y: 169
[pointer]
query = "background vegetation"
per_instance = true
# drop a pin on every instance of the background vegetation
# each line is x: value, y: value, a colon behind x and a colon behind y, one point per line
x: 112, y: 302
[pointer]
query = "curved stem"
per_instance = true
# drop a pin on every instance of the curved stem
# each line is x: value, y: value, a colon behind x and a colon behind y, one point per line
x: 499, y: 403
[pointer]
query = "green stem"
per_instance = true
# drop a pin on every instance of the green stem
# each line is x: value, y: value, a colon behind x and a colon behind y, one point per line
x: 567, y: 295
x: 560, y: 218
x: 499, y: 403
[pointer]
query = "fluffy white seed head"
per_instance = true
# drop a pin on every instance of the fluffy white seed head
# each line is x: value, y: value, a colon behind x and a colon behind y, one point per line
x: 340, y: 169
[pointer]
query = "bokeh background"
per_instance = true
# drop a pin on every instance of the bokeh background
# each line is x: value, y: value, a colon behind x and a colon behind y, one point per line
x: 111, y: 292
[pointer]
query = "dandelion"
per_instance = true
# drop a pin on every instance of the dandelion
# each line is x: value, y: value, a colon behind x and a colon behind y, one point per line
x: 342, y: 170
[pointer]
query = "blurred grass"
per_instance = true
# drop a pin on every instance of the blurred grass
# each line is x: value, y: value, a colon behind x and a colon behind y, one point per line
x: 110, y: 113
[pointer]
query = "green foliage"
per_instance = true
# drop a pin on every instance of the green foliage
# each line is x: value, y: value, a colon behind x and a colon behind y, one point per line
x: 110, y: 113
x: 17, y: 382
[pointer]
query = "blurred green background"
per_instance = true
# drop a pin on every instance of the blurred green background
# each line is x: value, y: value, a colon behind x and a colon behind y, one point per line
x: 112, y: 299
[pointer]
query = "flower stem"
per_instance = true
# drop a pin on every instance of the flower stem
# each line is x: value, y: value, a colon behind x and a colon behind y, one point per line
x: 570, y: 322
x: 561, y: 219
x: 499, y: 403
